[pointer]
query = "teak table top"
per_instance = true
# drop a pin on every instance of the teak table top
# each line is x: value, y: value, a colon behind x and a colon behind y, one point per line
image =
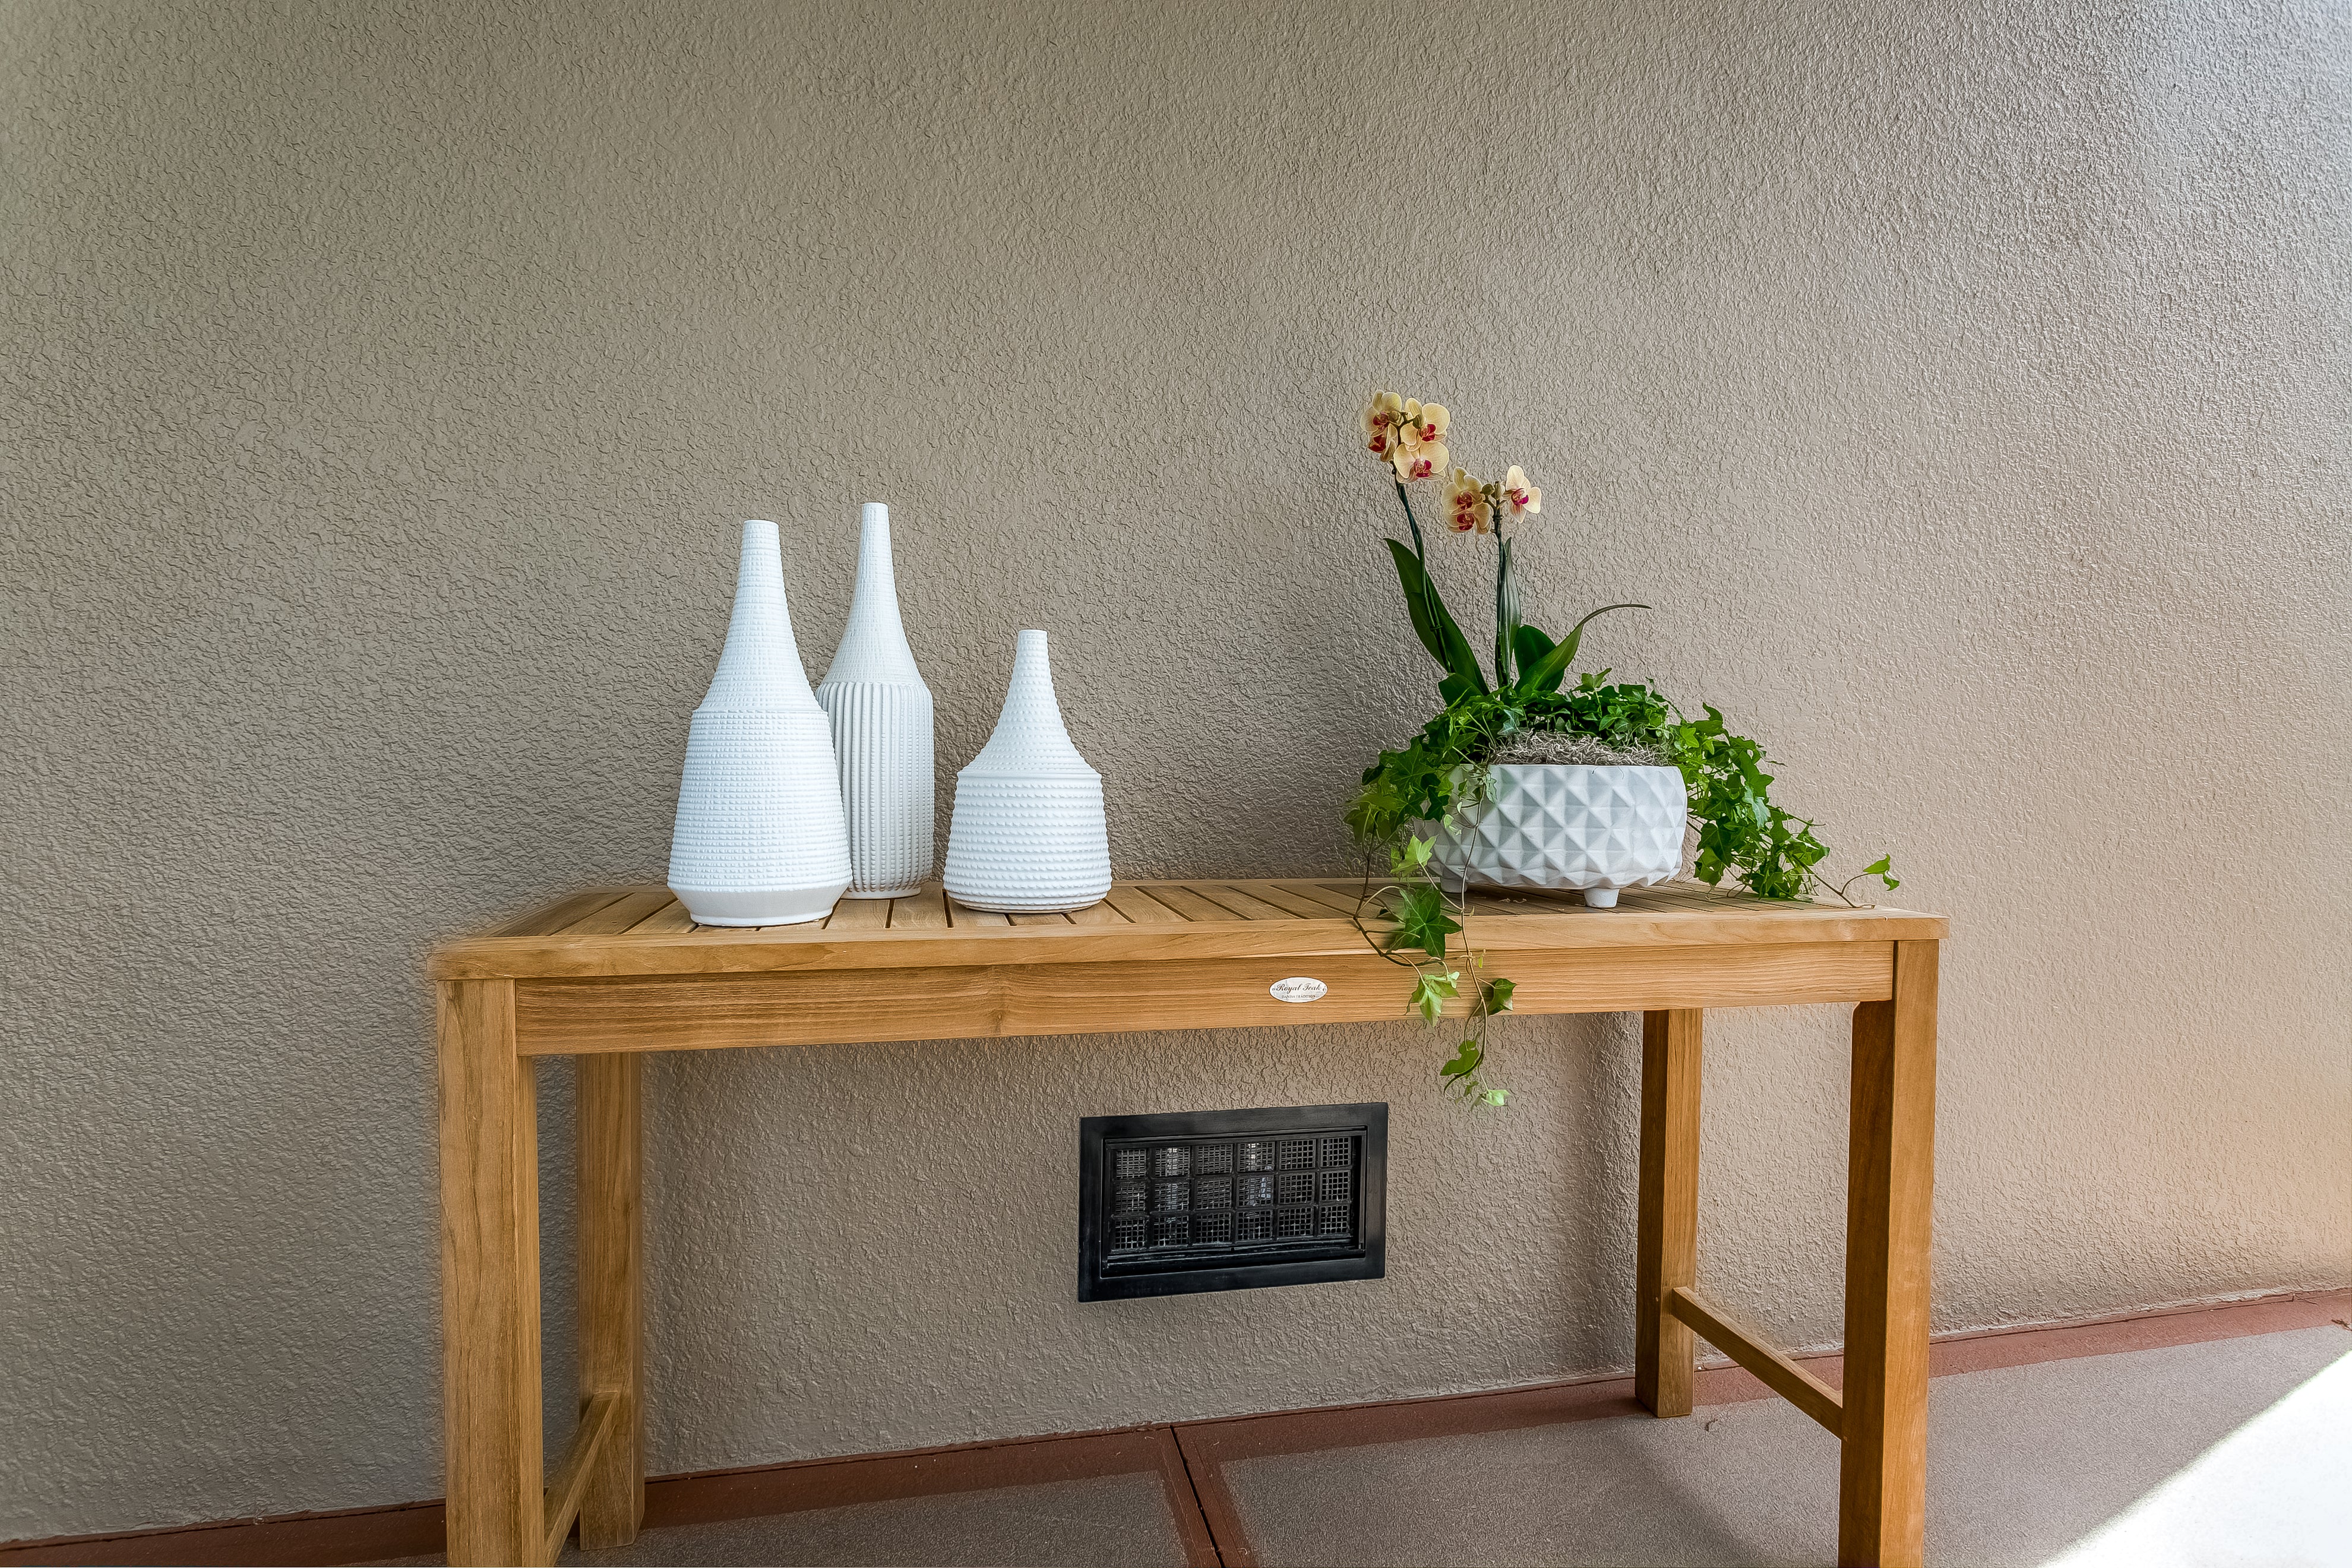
x: 612, y: 931
x: 625, y: 969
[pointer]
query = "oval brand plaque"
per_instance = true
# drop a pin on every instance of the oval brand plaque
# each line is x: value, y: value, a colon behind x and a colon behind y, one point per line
x: 1298, y: 988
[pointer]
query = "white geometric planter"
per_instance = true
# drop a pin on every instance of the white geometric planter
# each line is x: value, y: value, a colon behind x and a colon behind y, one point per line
x: 1028, y: 834
x: 759, y: 839
x: 1548, y: 825
x: 881, y: 714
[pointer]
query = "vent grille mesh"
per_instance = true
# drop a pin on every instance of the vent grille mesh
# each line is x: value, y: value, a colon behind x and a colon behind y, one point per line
x: 1187, y: 1196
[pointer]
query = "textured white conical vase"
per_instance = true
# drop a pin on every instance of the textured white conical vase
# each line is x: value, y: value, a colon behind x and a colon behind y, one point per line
x: 881, y: 713
x: 1028, y: 836
x: 759, y: 839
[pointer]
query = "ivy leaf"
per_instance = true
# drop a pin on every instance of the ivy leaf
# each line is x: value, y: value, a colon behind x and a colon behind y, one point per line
x: 1497, y: 1095
x: 1465, y: 1060
x: 1412, y: 858
x: 1429, y: 994
x: 1497, y: 998
x: 1883, y: 869
x: 1422, y: 921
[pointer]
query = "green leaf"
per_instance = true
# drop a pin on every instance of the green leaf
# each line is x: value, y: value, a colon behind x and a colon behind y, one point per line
x: 1545, y: 673
x: 1413, y: 859
x: 1429, y: 994
x: 1498, y: 994
x: 1466, y: 1061
x: 1506, y: 615
x: 1497, y: 1095
x: 1434, y: 623
x: 1529, y: 645
x: 1423, y: 919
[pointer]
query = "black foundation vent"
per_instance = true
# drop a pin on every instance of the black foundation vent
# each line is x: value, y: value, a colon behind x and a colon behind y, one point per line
x: 1231, y: 1200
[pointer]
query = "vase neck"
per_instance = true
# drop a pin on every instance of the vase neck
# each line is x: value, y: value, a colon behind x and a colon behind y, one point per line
x: 874, y: 649
x: 760, y: 665
x: 1029, y: 737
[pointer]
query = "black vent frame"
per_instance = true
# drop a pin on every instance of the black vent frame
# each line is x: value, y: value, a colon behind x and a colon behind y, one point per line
x: 1232, y: 1200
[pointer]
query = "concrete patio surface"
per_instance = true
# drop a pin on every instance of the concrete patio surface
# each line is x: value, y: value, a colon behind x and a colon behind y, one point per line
x: 1107, y: 1519
x: 2023, y: 1464
x: 2228, y: 1453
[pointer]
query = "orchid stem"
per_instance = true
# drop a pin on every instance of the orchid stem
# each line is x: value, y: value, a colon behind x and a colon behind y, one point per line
x: 1420, y: 554
x: 1502, y: 610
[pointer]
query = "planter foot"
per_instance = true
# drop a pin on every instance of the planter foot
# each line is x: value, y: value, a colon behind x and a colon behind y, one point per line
x: 1599, y: 898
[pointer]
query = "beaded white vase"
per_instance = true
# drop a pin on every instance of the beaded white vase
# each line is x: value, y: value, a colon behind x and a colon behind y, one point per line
x: 759, y: 839
x: 1028, y: 836
x: 881, y: 714
x: 1549, y: 824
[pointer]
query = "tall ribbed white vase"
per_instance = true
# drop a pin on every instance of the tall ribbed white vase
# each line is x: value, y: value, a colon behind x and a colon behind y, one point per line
x: 1028, y: 837
x: 881, y: 713
x: 759, y: 839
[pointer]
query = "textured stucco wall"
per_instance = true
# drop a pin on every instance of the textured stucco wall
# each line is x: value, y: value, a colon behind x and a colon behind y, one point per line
x: 383, y: 385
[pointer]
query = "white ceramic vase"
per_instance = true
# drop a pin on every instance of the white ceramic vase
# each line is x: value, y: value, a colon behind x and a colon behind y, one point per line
x: 1028, y: 837
x: 881, y: 714
x: 1547, y: 824
x: 759, y: 839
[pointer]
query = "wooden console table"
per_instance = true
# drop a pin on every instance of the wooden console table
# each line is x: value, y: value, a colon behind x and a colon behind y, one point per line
x: 618, y: 970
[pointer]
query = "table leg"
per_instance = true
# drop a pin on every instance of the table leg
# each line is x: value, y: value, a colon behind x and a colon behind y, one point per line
x: 1667, y: 1242
x: 490, y: 1278
x: 1890, y: 1181
x: 611, y: 1291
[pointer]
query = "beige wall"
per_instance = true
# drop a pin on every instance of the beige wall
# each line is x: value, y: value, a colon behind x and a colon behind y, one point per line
x: 1965, y: 385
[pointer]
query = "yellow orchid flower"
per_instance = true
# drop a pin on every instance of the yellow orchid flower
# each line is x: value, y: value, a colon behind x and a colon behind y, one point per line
x: 1430, y: 422
x: 1382, y: 422
x: 1525, y: 497
x: 1466, y: 506
x: 1419, y: 460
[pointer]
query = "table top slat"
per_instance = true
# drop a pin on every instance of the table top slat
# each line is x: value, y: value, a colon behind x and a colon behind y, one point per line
x: 1140, y: 906
x: 1281, y: 897
x: 1189, y: 902
x: 962, y: 917
x: 620, y: 914
x: 554, y: 917
x: 670, y: 919
x: 1244, y: 902
x: 926, y: 910
x: 1339, y: 903
x: 860, y: 914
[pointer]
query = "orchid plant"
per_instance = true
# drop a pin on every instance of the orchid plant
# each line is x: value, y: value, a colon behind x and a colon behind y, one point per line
x: 1441, y: 770
x: 1408, y: 435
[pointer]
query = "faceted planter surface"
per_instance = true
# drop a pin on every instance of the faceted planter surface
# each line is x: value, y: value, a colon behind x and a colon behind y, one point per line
x: 1556, y: 827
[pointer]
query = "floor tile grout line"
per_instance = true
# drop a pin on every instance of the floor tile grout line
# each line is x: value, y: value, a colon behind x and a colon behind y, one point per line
x: 1200, y: 1515
x: 1206, y: 1473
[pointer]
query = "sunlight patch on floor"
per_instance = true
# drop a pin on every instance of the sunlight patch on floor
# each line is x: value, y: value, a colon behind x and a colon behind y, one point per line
x: 2275, y: 1492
